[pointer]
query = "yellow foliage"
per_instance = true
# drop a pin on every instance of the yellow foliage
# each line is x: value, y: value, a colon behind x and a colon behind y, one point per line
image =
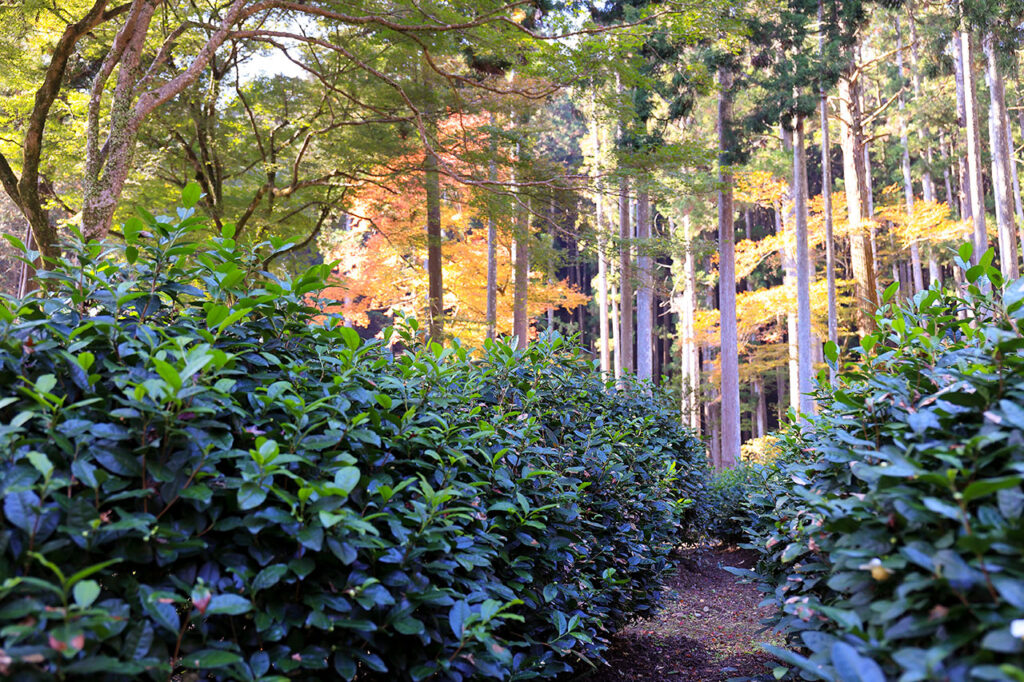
x: 763, y: 450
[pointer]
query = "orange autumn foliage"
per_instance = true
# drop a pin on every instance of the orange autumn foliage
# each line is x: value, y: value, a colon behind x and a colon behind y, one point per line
x: 382, y: 256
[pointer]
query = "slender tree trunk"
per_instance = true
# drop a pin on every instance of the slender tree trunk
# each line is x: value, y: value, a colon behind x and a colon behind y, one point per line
x: 803, y: 270
x: 1001, y: 174
x: 625, y: 277
x: 729, y: 363
x: 435, y: 287
x: 602, y: 256
x: 761, y: 411
x: 492, y: 246
x: 520, y: 315
x: 690, y: 348
x: 1011, y: 156
x: 973, y: 147
x: 781, y: 399
x: 826, y: 196
x: 645, y: 291
x: 616, y: 341
x: 908, y: 181
x: 927, y: 183
x: 865, y: 293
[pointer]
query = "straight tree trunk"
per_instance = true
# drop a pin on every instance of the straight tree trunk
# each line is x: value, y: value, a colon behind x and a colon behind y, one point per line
x: 826, y: 195
x: 861, y: 257
x: 645, y: 291
x: 616, y: 342
x: 927, y: 183
x: 761, y: 411
x: 492, y: 246
x: 625, y: 278
x: 1001, y: 174
x: 435, y: 288
x: 520, y: 317
x: 729, y: 362
x: 803, y: 270
x: 973, y: 147
x: 908, y: 181
x: 690, y: 351
x: 602, y: 257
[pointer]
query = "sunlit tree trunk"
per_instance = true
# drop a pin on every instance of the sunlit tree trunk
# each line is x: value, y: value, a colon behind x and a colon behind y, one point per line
x: 492, y: 246
x: 854, y: 176
x: 927, y: 182
x: 616, y: 341
x: 826, y: 195
x: 1001, y: 174
x: 645, y: 291
x: 803, y: 270
x: 602, y: 256
x: 908, y: 181
x: 761, y: 411
x: 520, y: 317
x: 435, y: 289
x: 625, y: 279
x: 976, y: 193
x: 691, y: 353
x: 729, y: 363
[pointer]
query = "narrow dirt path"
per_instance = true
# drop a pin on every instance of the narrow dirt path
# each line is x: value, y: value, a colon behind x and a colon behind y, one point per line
x: 709, y: 630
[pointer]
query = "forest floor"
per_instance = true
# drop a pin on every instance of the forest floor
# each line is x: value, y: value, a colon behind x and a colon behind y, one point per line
x: 708, y: 631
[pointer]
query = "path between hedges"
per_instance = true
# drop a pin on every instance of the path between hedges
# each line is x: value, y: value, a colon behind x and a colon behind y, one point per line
x: 708, y: 631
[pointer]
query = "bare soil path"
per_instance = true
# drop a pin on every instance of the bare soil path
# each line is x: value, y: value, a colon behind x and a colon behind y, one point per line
x: 709, y: 630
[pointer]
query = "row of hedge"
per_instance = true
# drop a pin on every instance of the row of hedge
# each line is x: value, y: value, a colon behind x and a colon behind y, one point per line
x: 892, y: 533
x: 200, y: 474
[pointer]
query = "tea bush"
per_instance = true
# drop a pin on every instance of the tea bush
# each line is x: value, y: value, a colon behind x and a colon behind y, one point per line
x: 200, y: 472
x: 895, y: 548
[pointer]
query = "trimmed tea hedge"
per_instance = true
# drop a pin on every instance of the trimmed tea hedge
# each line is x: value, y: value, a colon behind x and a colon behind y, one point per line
x: 895, y: 549
x: 204, y: 474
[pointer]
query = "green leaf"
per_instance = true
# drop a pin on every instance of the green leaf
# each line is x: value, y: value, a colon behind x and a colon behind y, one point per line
x: 251, y: 495
x: 457, y: 616
x: 350, y: 337
x: 942, y: 508
x: 228, y: 230
x: 210, y: 658
x: 138, y: 641
x: 831, y: 351
x: 347, y: 479
x: 269, y: 577
x: 989, y: 486
x: 190, y: 194
x: 86, y: 592
x: 852, y: 667
x: 890, y: 291
x: 41, y: 463
x: 228, y: 604
x: 965, y: 251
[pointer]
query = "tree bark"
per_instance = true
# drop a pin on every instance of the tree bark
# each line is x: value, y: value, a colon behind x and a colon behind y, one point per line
x: 729, y: 361
x: 435, y: 286
x: 861, y: 256
x: 908, y: 181
x: 645, y: 291
x: 602, y: 255
x: 625, y: 279
x: 492, y: 246
x: 977, y: 197
x: 826, y: 196
x: 690, y: 352
x: 803, y: 271
x: 520, y: 317
x: 1001, y: 174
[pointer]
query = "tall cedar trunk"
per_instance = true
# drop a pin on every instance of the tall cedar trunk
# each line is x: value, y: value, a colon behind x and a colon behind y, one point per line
x: 492, y: 245
x: 435, y: 289
x: 645, y: 290
x: 803, y: 270
x: 616, y: 341
x: 602, y: 255
x: 1012, y: 159
x: 1001, y: 174
x: 625, y: 279
x: 908, y: 181
x: 861, y: 257
x: 729, y: 362
x: 520, y: 318
x: 781, y: 399
x: 826, y: 195
x: 785, y: 224
x: 691, y: 353
x: 761, y: 411
x: 977, y: 196
x: 927, y: 182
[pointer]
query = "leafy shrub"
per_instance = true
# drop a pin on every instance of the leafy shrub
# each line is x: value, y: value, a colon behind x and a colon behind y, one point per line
x: 727, y: 500
x: 200, y: 472
x: 895, y: 549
